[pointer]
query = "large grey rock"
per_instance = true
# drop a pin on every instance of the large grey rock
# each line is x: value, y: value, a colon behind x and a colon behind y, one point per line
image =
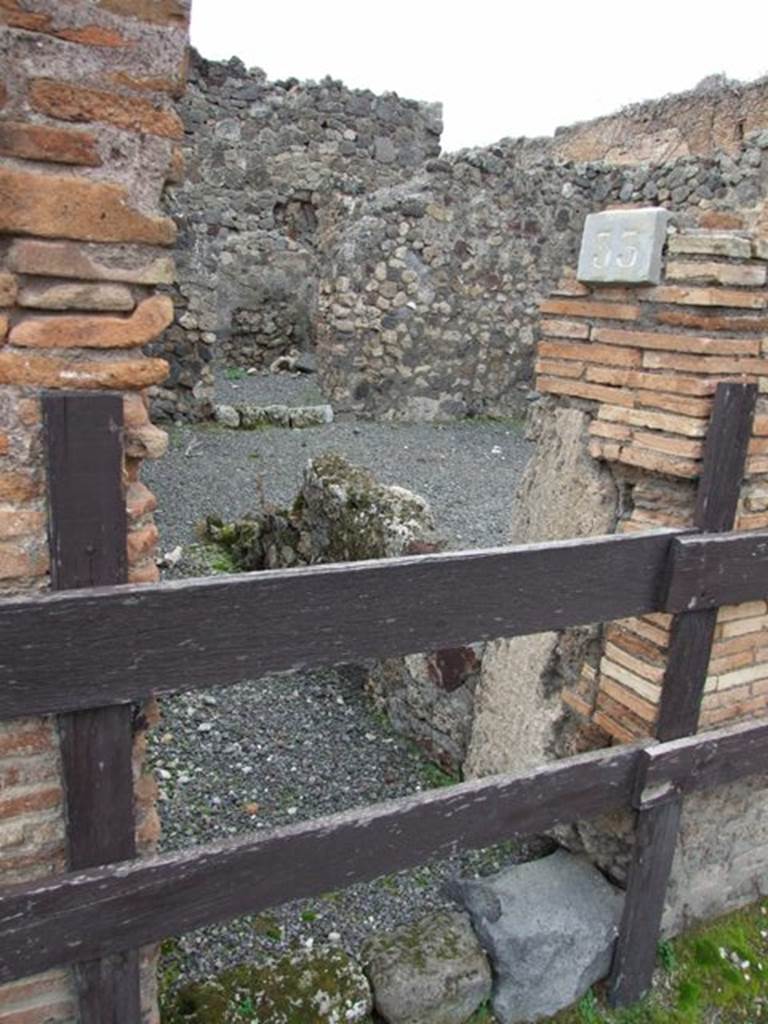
x: 549, y: 928
x: 430, y: 972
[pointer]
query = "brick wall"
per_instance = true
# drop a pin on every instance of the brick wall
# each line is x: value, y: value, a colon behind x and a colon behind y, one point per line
x: 88, y: 137
x: 648, y: 359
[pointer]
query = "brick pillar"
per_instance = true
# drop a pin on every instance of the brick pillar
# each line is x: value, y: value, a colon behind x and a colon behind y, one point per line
x: 88, y: 137
x: 642, y: 364
x: 648, y: 360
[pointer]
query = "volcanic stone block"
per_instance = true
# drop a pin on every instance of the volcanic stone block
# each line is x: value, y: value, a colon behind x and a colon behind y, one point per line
x: 549, y: 928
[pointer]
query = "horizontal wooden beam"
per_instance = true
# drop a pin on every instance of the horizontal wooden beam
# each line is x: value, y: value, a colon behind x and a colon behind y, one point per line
x: 112, y: 645
x: 708, y: 759
x: 710, y: 571
x: 102, y: 911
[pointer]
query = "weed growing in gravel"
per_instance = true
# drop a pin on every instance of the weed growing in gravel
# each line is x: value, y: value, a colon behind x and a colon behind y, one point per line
x: 436, y: 777
x: 234, y: 373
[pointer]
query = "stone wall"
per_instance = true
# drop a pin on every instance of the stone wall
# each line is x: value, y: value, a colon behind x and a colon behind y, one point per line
x: 269, y: 166
x: 88, y: 136
x: 628, y: 375
x: 713, y: 118
x: 313, y: 216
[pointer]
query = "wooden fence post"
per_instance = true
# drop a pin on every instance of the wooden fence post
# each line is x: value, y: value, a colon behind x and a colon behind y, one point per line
x: 87, y: 531
x: 658, y: 814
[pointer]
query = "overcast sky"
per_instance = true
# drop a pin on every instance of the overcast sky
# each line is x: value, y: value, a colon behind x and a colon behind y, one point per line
x: 499, y: 68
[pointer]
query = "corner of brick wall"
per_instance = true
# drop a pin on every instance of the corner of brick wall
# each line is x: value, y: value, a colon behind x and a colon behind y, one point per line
x: 88, y: 137
x: 646, y: 361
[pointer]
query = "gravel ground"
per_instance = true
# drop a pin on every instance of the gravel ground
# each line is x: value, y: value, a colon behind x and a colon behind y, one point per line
x: 290, y: 748
x: 468, y: 470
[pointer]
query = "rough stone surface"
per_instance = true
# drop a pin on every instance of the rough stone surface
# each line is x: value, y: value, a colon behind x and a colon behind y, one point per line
x: 518, y: 707
x: 721, y: 861
x: 314, y: 217
x: 431, y: 972
x: 549, y: 928
x: 150, y: 318
x: 252, y: 417
x: 94, y: 262
x: 322, y: 985
x: 341, y: 514
x: 56, y: 206
x: 431, y: 699
x: 78, y: 295
x: 41, y: 142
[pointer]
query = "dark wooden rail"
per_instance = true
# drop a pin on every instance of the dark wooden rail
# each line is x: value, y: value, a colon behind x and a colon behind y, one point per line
x: 140, y: 640
x: 92, y: 652
x: 106, y: 910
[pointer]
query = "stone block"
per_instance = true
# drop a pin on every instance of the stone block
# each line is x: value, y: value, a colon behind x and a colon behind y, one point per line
x: 103, y: 297
x: 8, y: 289
x: 710, y: 243
x: 623, y: 246
x: 227, y: 416
x: 92, y: 261
x: 56, y: 206
x: 430, y: 972
x: 693, y: 296
x: 677, y: 342
x: 150, y: 319
x: 549, y: 928
x: 322, y: 985
x: 598, y: 310
x: 68, y: 102
x: 44, y: 371
x: 42, y: 142
x: 719, y: 273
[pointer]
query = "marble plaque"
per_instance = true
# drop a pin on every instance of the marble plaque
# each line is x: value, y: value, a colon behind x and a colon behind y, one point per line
x: 623, y: 246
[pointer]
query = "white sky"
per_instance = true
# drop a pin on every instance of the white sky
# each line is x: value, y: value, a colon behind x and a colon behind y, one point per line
x: 500, y: 69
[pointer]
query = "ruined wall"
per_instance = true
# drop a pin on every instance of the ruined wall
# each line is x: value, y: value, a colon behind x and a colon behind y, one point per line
x: 628, y: 374
x: 87, y: 137
x: 714, y: 117
x: 316, y: 216
x: 269, y: 165
x: 431, y: 299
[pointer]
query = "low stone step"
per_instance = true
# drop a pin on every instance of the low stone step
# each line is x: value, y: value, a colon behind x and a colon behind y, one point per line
x: 252, y: 417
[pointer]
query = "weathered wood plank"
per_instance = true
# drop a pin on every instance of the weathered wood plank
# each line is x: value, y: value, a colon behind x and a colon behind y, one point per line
x: 688, y: 655
x: 711, y: 571
x: 106, y: 910
x: 122, y: 644
x: 688, y: 658
x: 717, y: 498
x: 635, y: 955
x: 87, y: 518
x: 709, y: 759
x: 725, y: 453
x: 87, y: 530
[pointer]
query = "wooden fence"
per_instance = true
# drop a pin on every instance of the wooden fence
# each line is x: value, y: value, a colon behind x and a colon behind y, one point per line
x: 90, y: 650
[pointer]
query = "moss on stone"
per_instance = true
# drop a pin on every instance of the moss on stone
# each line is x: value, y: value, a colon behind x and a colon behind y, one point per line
x: 341, y: 514
x: 323, y: 986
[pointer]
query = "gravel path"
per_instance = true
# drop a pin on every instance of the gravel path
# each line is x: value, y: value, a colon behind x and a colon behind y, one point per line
x: 290, y: 748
